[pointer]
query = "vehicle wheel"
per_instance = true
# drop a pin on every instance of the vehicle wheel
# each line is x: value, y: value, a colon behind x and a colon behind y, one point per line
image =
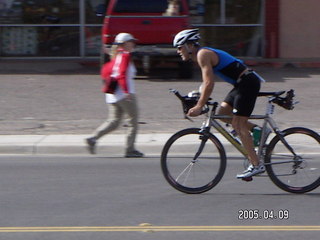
x: 298, y: 173
x: 183, y: 171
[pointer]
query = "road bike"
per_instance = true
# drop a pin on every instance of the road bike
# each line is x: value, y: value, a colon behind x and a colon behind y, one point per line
x: 194, y: 160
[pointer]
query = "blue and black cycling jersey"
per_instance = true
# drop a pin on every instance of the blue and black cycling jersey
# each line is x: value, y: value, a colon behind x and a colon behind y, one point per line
x: 229, y: 68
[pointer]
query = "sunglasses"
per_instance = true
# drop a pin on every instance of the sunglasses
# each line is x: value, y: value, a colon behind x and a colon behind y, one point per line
x: 179, y: 47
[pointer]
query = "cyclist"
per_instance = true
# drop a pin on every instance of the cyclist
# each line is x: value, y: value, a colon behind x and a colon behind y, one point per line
x: 239, y: 102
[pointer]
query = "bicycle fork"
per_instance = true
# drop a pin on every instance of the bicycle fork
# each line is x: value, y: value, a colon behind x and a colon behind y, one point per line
x: 204, y: 138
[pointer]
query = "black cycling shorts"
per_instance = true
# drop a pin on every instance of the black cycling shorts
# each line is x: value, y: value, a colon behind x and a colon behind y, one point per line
x: 243, y: 96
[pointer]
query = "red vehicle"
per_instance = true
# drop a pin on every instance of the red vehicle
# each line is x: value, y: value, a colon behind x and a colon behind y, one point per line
x: 154, y: 23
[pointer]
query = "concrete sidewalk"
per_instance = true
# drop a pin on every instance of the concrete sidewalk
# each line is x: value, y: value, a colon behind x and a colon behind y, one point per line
x: 110, y: 145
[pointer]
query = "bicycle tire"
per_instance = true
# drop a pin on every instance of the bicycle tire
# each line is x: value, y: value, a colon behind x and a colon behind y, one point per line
x: 294, y: 174
x: 177, y: 161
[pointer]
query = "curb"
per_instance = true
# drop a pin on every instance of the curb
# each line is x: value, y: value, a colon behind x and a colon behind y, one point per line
x: 74, y: 144
x: 112, y: 144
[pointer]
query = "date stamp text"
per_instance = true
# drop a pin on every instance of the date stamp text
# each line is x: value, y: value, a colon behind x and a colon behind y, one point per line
x: 256, y: 214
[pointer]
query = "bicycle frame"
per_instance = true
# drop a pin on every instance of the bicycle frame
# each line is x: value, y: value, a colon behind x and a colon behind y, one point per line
x: 212, y: 118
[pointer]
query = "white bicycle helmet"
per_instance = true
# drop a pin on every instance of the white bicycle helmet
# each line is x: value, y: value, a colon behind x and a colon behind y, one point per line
x: 186, y: 36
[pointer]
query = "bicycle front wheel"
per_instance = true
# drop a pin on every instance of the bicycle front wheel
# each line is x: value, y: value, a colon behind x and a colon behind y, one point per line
x: 193, y: 162
x: 294, y: 168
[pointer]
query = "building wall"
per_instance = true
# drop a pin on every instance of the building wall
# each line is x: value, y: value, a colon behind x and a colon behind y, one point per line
x: 271, y: 29
x: 299, y: 27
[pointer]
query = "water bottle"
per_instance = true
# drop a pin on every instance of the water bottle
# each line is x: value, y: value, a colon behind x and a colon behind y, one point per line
x: 256, y: 134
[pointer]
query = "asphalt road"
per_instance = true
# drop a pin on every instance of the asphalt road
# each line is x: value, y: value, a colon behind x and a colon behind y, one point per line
x: 47, y: 197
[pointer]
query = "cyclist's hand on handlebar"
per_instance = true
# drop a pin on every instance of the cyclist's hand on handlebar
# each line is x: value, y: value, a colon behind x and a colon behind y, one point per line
x: 195, y: 111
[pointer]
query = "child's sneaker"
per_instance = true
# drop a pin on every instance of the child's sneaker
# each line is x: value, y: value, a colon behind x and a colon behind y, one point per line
x: 134, y: 154
x: 91, y: 142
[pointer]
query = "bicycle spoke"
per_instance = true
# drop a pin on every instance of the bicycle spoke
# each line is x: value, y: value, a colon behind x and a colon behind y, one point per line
x: 187, y: 169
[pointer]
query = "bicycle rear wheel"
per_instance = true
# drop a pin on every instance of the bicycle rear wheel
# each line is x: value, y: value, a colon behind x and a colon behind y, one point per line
x: 187, y: 172
x: 297, y: 173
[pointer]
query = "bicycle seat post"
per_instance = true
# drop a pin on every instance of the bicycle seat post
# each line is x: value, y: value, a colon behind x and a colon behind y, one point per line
x: 270, y: 107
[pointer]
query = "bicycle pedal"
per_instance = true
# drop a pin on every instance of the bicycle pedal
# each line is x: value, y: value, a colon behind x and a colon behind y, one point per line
x: 247, y: 179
